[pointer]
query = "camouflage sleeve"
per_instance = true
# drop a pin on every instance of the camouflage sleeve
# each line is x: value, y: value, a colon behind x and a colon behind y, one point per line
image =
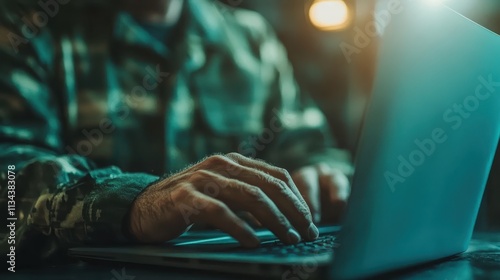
x: 296, y: 130
x: 49, y: 200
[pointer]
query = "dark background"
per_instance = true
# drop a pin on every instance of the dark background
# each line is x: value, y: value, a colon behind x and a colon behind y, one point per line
x: 341, y: 88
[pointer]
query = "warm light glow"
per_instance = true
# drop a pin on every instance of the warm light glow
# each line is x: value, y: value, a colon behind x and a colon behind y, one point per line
x: 329, y: 14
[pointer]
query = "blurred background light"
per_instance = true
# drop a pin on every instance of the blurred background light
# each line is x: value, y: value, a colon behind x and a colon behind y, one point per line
x: 329, y: 14
x: 342, y: 89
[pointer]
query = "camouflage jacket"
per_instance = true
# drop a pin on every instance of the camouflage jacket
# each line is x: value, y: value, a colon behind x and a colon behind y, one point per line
x: 93, y: 109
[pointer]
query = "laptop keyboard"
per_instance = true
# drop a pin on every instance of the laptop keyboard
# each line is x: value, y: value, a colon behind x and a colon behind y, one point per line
x: 324, y: 244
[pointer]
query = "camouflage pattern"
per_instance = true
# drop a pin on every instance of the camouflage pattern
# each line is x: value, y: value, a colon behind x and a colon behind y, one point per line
x: 93, y: 109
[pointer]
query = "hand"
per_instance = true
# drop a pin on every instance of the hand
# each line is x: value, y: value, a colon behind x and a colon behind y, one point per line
x: 325, y: 190
x: 212, y: 190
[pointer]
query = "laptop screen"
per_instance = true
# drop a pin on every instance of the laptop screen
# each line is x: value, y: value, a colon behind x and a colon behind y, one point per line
x: 428, y: 142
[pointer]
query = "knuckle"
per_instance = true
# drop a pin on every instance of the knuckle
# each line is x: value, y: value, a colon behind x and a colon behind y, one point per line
x: 284, y: 174
x: 199, y: 202
x: 266, y: 177
x: 216, y: 208
x: 201, y: 174
x: 304, y: 209
x: 280, y: 185
x: 232, y: 169
x: 282, y: 171
x: 234, y: 155
x: 217, y: 160
x: 255, y: 193
x: 181, y: 193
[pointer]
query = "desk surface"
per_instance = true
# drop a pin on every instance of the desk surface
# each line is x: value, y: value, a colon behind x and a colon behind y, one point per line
x: 481, y: 261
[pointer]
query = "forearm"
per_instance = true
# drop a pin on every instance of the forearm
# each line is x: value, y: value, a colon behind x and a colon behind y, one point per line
x: 63, y: 201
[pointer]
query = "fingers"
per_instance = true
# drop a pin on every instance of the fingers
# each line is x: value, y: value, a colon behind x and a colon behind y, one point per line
x: 249, y: 218
x: 292, y: 205
x: 335, y: 188
x: 239, y: 195
x: 307, y: 182
x: 209, y: 191
x: 274, y: 171
x: 334, y: 182
x: 218, y: 215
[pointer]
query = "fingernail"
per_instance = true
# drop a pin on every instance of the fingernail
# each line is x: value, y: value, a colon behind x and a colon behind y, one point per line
x: 293, y: 236
x: 313, y: 231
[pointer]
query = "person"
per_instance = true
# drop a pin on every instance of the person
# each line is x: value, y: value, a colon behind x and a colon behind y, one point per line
x: 130, y: 121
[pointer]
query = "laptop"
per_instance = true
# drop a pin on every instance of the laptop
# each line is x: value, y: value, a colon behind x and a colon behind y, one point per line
x: 424, y: 156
